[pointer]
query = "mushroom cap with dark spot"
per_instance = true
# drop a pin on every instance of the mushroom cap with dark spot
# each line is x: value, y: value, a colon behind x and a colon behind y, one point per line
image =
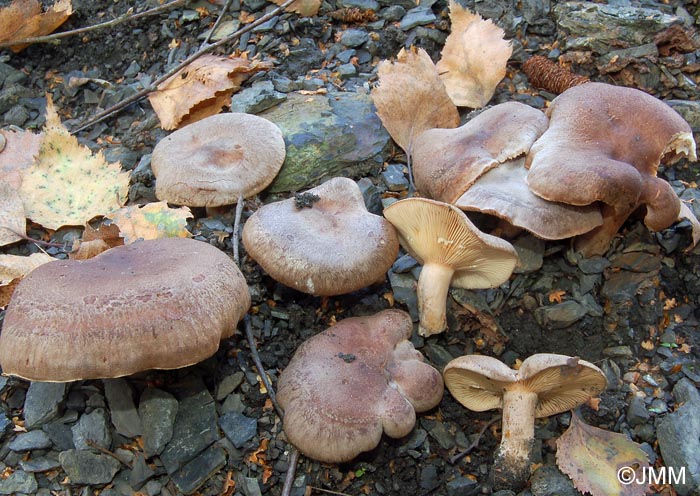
x: 157, y: 304
x: 353, y: 381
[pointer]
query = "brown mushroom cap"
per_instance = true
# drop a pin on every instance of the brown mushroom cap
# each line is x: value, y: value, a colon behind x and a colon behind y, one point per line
x: 503, y: 192
x: 453, y: 253
x: 214, y: 161
x: 331, y: 246
x: 446, y: 162
x: 605, y: 143
x: 158, y: 304
x: 560, y: 382
x: 353, y: 381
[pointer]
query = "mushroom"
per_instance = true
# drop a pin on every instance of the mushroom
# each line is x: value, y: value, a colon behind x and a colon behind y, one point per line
x: 453, y: 253
x: 545, y: 384
x: 323, y: 242
x: 353, y: 381
x: 604, y: 144
x: 157, y: 304
x: 446, y: 162
x: 503, y: 192
x: 217, y: 160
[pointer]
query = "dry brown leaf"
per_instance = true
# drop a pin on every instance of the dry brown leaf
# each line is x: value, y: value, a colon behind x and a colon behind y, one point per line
x: 21, y: 148
x: 687, y: 213
x: 596, y: 460
x: 473, y: 60
x: 306, y: 8
x: 14, y: 268
x: 67, y: 184
x: 151, y: 221
x: 12, y: 218
x: 24, y: 19
x: 95, y: 241
x: 411, y: 98
x: 201, y: 89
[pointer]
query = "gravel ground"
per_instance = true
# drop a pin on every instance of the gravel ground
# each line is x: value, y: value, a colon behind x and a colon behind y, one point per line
x: 633, y: 312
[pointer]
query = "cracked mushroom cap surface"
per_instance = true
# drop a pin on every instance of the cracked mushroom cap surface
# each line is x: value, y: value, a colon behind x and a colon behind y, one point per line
x: 446, y: 162
x: 435, y: 232
x: 157, y: 304
x: 214, y: 161
x: 323, y: 242
x: 561, y: 382
x: 353, y: 381
x: 605, y: 143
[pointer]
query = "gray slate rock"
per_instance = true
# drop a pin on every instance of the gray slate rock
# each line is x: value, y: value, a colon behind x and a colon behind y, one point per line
x: 87, y: 467
x: 637, y: 412
x: 327, y: 135
x: 125, y: 417
x: 394, y: 178
x: 92, y: 429
x: 39, y: 464
x: 228, y: 384
x: 43, y: 403
x: 530, y: 251
x: 678, y: 434
x: 157, y: 410
x: 560, y: 315
x: 249, y: 486
x: 260, y: 96
x: 404, y: 288
x: 19, y: 482
x: 353, y: 38
x: 196, y: 472
x: 32, y: 440
x: 549, y: 481
x: 6, y: 425
x: 238, y: 428
x: 418, y: 16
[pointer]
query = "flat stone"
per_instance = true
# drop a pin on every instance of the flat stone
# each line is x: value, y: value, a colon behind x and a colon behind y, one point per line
x: 593, y: 265
x: 19, y: 482
x: 439, y: 432
x: 418, y: 16
x: 6, y: 425
x: 60, y: 434
x: 233, y: 403
x: 394, y: 178
x: 362, y: 4
x: 249, y: 486
x: 157, y: 410
x: 195, y: 427
x: 120, y: 399
x: 548, y: 480
x: 622, y: 286
x: 530, y: 251
x: 194, y: 473
x: 88, y: 467
x: 326, y: 136
x: 228, y: 384
x: 678, y: 434
x: 238, y: 428
x: 32, y: 440
x: 39, y: 464
x: 637, y: 412
x: 140, y: 473
x: 462, y: 486
x: 92, y: 429
x: 43, y: 403
x: 260, y: 96
x: 371, y: 195
x: 638, y: 261
x: 560, y: 315
x: 403, y: 287
x: 353, y: 38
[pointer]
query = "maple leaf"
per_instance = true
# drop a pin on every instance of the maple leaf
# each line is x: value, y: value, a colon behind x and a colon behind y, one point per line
x: 411, y: 98
x: 473, y: 60
x: 594, y: 459
x: 305, y: 8
x: 151, y: 221
x: 13, y: 268
x: 24, y: 19
x: 201, y: 89
x: 68, y: 184
x: 12, y: 218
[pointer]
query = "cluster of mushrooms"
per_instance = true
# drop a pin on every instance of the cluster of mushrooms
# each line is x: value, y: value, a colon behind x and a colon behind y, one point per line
x: 578, y: 170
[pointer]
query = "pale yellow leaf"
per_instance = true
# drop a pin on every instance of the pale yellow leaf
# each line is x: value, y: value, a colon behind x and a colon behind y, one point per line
x: 68, y: 184
x: 305, y: 8
x: 151, y: 221
x: 474, y: 58
x: 13, y: 268
x: 12, y: 218
x: 411, y: 98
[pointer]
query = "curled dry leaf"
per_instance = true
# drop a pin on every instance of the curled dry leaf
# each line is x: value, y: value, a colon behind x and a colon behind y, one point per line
x: 592, y: 457
x: 95, y: 241
x: 24, y: 19
x: 474, y: 58
x: 151, y: 221
x: 12, y: 218
x: 68, y: 184
x: 19, y: 152
x: 13, y: 268
x: 411, y: 98
x: 306, y: 8
x: 687, y: 214
x: 201, y: 89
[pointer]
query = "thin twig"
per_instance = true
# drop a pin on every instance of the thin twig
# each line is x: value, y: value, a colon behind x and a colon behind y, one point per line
x: 105, y: 451
x: 291, y: 471
x: 237, y: 230
x: 258, y: 364
x: 63, y: 246
x: 154, y: 85
x: 224, y: 9
x: 108, y: 24
x: 457, y: 457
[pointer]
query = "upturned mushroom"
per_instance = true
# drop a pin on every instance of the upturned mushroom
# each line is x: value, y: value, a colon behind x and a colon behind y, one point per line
x: 158, y: 304
x: 604, y: 144
x: 453, y: 251
x: 353, y: 381
x: 218, y: 160
x: 323, y: 242
x: 544, y: 385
